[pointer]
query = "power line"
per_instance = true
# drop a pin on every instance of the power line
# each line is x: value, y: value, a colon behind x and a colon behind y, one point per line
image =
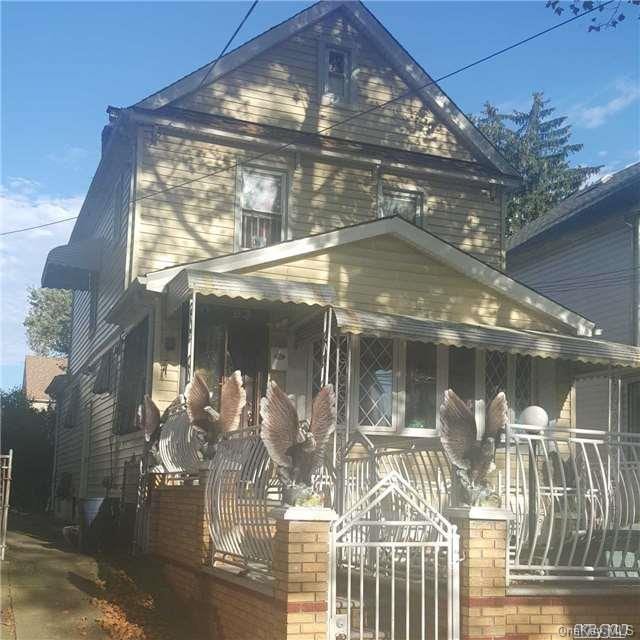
x: 38, y: 226
x: 224, y: 49
x: 381, y: 105
x: 360, y: 113
x: 204, y: 79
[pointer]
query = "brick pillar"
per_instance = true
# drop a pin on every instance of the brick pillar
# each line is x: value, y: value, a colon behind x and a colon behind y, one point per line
x: 483, y: 577
x: 301, y: 570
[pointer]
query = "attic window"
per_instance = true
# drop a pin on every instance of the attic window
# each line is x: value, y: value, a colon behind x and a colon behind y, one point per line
x: 406, y: 204
x: 337, y: 72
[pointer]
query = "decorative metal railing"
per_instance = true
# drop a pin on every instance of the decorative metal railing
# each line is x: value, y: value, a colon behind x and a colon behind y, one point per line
x: 421, y: 463
x: 242, y: 489
x: 575, y: 494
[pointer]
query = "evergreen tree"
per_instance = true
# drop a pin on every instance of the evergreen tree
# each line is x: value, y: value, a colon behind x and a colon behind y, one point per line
x: 48, y: 321
x: 538, y: 146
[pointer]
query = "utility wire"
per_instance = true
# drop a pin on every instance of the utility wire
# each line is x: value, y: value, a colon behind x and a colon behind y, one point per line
x: 204, y: 79
x: 380, y: 105
x: 361, y: 113
x: 38, y: 226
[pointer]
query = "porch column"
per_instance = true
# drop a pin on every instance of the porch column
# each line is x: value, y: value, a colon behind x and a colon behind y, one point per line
x: 301, y: 570
x: 483, y: 572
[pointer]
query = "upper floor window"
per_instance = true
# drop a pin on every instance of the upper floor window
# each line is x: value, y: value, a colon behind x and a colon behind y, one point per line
x: 406, y: 204
x: 337, y: 74
x: 263, y: 207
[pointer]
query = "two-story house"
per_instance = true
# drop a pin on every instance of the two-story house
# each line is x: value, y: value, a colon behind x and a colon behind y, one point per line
x: 585, y: 254
x: 314, y: 188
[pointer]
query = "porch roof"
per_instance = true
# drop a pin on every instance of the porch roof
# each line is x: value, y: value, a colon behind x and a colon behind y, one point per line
x: 533, y: 343
x: 229, y: 285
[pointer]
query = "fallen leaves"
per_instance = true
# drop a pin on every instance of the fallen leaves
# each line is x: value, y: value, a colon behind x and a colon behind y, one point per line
x: 129, y: 612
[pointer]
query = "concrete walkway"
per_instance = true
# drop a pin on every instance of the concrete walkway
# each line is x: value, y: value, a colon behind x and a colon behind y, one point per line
x: 46, y: 585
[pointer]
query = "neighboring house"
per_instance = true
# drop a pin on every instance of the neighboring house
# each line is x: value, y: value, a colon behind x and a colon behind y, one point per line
x: 39, y: 373
x: 232, y: 209
x: 585, y: 253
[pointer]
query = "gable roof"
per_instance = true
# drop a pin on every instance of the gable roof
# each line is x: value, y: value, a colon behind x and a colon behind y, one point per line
x: 39, y: 372
x: 407, y: 68
x: 580, y: 203
x: 416, y: 237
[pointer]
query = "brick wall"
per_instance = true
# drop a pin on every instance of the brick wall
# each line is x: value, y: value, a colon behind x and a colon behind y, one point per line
x: 548, y: 618
x: 488, y: 613
x: 482, y: 577
x: 229, y: 607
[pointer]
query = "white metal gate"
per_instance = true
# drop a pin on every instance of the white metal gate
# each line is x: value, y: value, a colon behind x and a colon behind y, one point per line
x: 6, y: 462
x: 394, y: 568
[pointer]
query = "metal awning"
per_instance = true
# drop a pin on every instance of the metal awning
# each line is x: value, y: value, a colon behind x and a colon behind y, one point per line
x: 532, y: 343
x: 230, y: 285
x: 70, y: 266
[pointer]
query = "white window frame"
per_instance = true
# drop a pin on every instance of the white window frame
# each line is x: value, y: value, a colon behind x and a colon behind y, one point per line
x: 326, y: 97
x: 281, y: 173
x: 442, y: 383
x: 402, y: 191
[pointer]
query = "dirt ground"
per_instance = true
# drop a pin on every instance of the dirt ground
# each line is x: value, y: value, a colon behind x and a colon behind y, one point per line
x: 52, y: 592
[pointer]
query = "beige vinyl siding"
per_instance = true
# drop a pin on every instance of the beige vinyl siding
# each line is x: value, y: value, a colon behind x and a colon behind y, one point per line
x: 68, y: 447
x: 570, y: 257
x: 386, y: 275
x: 111, y: 279
x: 592, y: 403
x: 106, y: 453
x: 281, y: 87
x: 465, y: 215
x: 196, y: 221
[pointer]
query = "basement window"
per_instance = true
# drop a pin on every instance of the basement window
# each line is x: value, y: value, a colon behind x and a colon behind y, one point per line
x: 263, y: 207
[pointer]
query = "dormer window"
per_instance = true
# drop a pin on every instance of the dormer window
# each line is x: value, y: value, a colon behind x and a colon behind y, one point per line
x: 337, y: 74
x: 263, y: 207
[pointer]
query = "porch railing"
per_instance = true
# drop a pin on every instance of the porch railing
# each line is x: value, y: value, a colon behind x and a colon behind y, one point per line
x: 575, y: 494
x: 241, y: 490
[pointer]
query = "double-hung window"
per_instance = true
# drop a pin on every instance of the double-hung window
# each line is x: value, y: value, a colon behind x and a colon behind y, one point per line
x: 263, y: 203
x: 406, y: 204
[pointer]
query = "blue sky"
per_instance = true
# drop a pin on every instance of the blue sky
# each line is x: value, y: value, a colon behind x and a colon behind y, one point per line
x: 63, y: 63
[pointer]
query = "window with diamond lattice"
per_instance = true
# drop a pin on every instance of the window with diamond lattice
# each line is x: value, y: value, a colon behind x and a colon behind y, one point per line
x: 341, y: 393
x: 524, y: 368
x: 495, y: 379
x: 375, y: 389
